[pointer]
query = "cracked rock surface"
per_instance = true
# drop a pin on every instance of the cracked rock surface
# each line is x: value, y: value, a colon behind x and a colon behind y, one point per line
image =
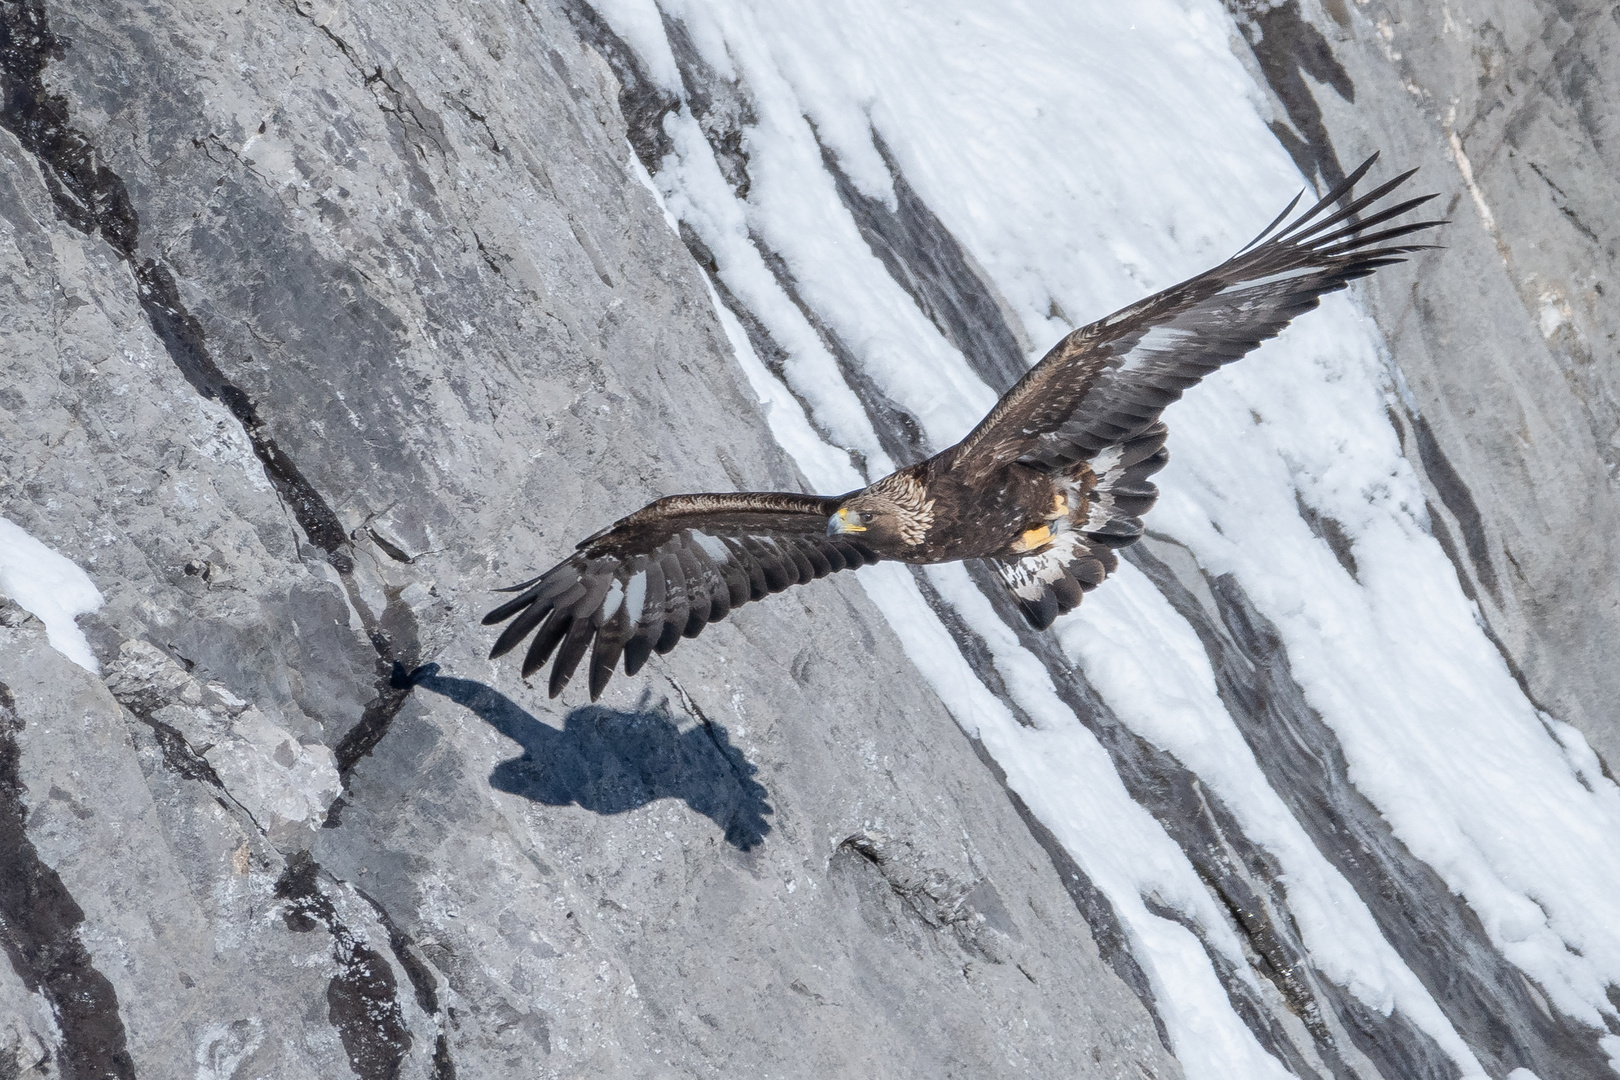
x: 320, y: 322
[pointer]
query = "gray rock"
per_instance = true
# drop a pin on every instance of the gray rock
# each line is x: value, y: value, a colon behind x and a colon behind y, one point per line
x: 344, y: 321
x: 285, y: 786
x: 1510, y: 345
x: 150, y: 942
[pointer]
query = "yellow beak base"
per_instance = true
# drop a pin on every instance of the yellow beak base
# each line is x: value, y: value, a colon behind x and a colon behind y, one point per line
x: 843, y: 522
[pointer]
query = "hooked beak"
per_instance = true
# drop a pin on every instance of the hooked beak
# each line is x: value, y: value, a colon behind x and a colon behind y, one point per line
x: 843, y: 522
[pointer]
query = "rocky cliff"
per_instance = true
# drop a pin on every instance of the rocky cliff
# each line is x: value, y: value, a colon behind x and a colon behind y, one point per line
x: 1509, y: 347
x: 318, y: 326
x: 321, y: 321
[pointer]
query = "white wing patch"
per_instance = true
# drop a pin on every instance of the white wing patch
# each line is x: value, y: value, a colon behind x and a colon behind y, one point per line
x: 1102, y: 507
x: 1099, y: 510
x: 611, y: 602
x: 635, y: 595
x: 711, y: 546
x: 1291, y: 274
x: 1106, y: 461
x: 1164, y: 338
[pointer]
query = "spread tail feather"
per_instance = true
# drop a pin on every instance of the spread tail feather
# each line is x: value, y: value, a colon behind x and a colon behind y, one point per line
x: 1052, y: 581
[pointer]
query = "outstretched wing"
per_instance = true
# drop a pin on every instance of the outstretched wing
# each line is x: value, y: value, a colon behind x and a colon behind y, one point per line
x: 1107, y: 382
x: 665, y: 572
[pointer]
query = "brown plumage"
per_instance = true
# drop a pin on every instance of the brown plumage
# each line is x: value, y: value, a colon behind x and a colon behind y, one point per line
x: 1048, y: 485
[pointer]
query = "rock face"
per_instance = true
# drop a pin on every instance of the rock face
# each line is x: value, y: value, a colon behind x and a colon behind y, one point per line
x: 318, y: 324
x: 1509, y: 348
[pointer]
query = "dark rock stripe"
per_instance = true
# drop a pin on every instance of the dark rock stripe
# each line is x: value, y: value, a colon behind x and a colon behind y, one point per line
x: 443, y: 1067
x: 925, y: 259
x: 1407, y: 884
x: 362, y: 999
x: 1449, y: 485
x: 642, y: 103
x: 39, y: 931
x: 723, y: 108
x: 1288, y: 48
x: 1332, y: 533
x: 397, y: 643
x: 93, y: 199
x: 1486, y: 998
x: 423, y: 982
x: 399, y: 942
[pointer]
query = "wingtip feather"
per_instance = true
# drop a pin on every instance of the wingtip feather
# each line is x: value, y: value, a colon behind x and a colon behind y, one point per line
x: 545, y: 640
x: 574, y: 644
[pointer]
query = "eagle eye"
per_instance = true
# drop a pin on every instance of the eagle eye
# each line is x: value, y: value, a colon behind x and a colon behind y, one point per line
x: 866, y: 517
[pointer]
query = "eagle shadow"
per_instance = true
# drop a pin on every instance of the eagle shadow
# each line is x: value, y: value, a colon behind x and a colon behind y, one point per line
x: 609, y: 761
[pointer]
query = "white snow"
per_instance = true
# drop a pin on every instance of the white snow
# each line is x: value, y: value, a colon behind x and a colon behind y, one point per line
x: 1148, y: 663
x: 1085, y: 156
x: 52, y: 588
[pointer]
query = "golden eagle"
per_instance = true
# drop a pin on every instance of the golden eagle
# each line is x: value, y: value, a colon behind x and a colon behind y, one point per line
x: 1046, y: 488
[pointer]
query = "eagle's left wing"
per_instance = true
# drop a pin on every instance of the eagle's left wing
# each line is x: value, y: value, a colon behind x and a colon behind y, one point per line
x: 667, y: 571
x: 1106, y: 383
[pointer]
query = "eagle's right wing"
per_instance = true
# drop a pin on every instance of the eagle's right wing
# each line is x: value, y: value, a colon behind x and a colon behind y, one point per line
x: 1106, y: 383
x: 667, y: 571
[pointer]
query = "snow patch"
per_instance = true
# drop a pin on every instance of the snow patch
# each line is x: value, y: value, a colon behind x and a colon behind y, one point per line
x: 52, y: 588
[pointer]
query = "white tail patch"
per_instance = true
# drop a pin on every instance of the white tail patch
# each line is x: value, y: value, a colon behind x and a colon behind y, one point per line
x: 1030, y: 575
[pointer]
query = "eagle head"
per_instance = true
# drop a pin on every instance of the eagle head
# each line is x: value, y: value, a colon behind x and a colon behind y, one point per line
x: 892, y: 515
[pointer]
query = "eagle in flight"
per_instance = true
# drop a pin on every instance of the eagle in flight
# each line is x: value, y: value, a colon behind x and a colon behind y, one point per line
x: 1047, y: 487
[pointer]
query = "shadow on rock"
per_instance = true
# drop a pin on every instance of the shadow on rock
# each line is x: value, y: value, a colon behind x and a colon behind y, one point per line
x: 610, y: 761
